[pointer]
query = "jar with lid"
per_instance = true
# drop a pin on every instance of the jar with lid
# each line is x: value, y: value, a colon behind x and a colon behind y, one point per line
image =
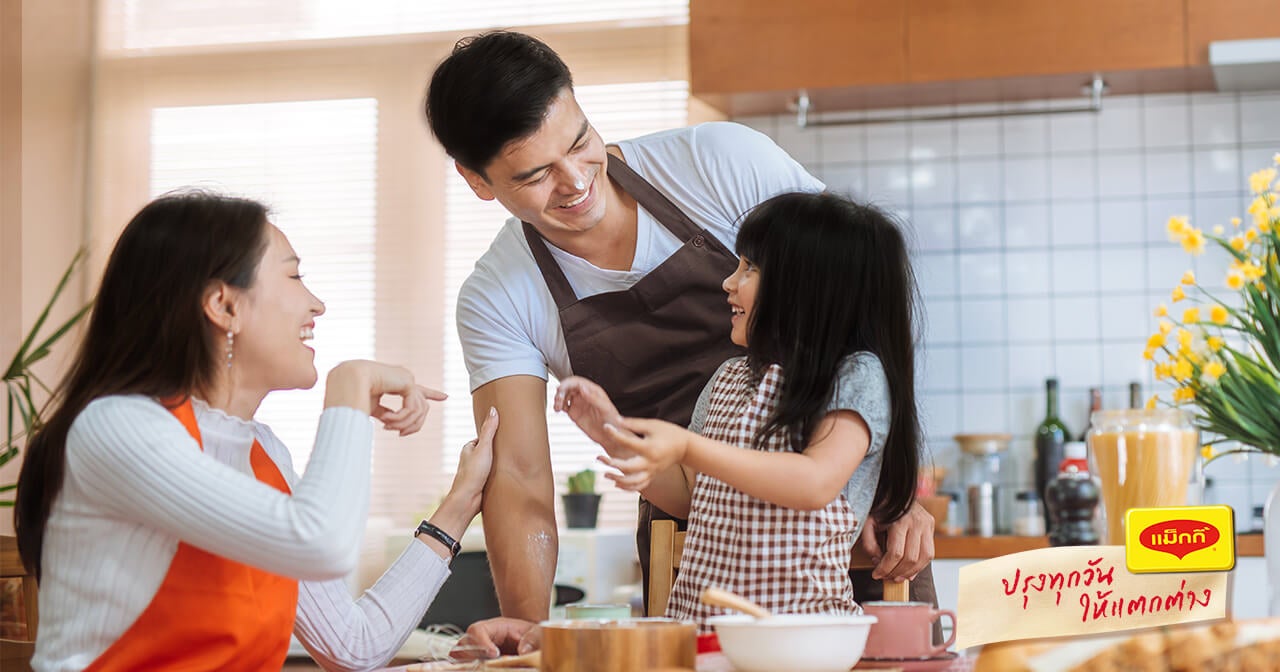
x: 1027, y: 518
x: 1144, y: 458
x: 982, y: 471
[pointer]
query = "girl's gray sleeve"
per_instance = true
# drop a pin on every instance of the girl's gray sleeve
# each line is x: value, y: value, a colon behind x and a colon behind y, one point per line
x: 862, y: 387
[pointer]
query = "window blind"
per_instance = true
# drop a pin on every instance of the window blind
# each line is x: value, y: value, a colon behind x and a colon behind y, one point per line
x: 156, y: 24
x: 618, y: 112
x: 314, y: 164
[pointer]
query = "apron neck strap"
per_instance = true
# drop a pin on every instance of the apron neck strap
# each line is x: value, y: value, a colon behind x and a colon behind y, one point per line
x: 667, y: 213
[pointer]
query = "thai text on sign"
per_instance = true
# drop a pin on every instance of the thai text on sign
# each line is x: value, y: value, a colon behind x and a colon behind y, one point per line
x: 1077, y: 590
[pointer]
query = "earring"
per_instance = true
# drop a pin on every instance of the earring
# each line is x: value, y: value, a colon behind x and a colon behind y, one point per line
x: 230, y: 342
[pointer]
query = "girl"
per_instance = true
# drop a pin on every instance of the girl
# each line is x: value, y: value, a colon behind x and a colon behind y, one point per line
x: 168, y: 527
x: 794, y: 445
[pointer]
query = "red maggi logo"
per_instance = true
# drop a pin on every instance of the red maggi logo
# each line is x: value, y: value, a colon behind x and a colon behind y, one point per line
x: 1179, y: 537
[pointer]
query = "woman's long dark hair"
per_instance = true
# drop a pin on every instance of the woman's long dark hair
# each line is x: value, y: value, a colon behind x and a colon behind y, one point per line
x: 148, y: 333
x: 834, y: 279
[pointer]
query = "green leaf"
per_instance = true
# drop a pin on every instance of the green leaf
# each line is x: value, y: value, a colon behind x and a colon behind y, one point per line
x: 21, y: 356
x: 43, y: 349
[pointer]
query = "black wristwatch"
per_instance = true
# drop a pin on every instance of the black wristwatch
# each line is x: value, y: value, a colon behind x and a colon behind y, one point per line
x: 444, y: 538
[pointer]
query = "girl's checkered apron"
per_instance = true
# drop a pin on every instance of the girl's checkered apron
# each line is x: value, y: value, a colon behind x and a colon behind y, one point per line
x: 785, y: 560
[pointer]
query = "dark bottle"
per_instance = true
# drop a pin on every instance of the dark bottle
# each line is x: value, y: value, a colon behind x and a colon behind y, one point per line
x: 1135, y: 394
x: 1051, y: 435
x: 1071, y: 499
x: 1095, y: 405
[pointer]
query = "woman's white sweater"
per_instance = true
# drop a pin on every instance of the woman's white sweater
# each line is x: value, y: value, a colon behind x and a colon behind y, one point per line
x: 136, y: 484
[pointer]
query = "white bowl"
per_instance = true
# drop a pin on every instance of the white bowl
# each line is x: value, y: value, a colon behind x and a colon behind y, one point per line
x: 792, y: 642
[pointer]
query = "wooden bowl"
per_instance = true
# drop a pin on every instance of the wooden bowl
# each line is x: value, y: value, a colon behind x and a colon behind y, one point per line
x: 627, y: 645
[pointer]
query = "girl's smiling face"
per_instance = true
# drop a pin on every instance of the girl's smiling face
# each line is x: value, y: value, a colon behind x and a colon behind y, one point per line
x: 741, y: 287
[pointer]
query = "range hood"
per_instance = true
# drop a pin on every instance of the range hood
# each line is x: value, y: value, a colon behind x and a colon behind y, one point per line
x: 1245, y: 65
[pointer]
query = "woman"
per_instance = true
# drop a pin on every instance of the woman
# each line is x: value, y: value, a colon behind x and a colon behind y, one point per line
x: 168, y: 527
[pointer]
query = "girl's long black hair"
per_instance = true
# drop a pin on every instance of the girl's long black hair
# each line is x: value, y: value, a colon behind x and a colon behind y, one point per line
x: 834, y: 279
x: 148, y: 333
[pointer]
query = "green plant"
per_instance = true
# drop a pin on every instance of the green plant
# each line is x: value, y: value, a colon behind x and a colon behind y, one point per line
x: 23, y: 415
x: 582, y: 483
x: 1223, y: 356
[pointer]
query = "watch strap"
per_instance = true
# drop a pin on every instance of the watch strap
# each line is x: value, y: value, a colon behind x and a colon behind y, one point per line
x: 441, y: 536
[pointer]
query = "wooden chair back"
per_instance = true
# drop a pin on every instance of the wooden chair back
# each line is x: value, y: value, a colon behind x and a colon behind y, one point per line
x: 666, y: 545
x: 15, y: 654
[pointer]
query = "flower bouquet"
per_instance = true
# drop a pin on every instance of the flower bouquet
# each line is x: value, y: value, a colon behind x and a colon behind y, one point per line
x: 1223, y: 355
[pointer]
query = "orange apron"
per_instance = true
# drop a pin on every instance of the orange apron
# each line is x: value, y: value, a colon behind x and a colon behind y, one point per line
x: 211, y: 613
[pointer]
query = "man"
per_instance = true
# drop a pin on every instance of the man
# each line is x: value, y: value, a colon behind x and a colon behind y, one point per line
x: 611, y: 268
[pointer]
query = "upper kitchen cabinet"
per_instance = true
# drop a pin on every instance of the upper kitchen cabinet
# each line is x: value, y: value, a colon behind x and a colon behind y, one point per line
x: 753, y: 56
x: 1216, y: 20
x: 738, y: 46
x: 981, y: 39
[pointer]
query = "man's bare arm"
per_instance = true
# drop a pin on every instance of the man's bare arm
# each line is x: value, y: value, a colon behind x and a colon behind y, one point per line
x: 519, y: 499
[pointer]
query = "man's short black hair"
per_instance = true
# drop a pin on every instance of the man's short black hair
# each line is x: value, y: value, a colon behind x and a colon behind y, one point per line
x: 494, y: 88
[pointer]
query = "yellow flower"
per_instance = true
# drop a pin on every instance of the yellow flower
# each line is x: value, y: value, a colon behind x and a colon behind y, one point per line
x: 1190, y: 316
x: 1188, y: 278
x: 1217, y: 230
x: 1177, y: 227
x: 1206, y: 452
x: 1151, y: 403
x: 1252, y: 271
x: 1260, y: 182
x: 1214, y: 370
x: 1183, y: 394
x: 1237, y: 243
x: 1163, y: 370
x: 1235, y: 279
x: 1264, y: 223
x: 1235, y: 221
x: 1148, y: 354
x: 1219, y: 314
x: 1216, y: 343
x: 1250, y: 235
x: 1178, y: 294
x: 1182, y: 370
x: 1193, y: 241
x: 1161, y: 310
x: 1156, y: 341
x: 1165, y: 327
x: 1276, y: 158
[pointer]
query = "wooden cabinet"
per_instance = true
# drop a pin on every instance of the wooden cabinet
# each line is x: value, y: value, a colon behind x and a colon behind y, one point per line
x: 765, y: 45
x: 852, y: 51
x: 980, y: 39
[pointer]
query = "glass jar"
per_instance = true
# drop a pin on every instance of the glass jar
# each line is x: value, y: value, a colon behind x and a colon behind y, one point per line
x: 983, y: 474
x: 1144, y: 458
x: 1027, y: 519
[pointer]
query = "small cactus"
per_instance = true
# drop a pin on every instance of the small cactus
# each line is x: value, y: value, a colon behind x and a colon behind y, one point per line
x: 582, y: 483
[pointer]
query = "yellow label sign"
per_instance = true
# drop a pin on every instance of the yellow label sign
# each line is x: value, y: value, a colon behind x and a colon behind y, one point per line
x: 1180, y: 539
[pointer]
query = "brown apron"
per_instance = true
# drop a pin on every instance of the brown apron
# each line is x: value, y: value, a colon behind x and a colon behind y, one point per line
x: 653, y: 347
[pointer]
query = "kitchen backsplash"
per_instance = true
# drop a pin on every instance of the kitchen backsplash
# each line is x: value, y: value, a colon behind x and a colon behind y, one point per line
x: 1040, y: 247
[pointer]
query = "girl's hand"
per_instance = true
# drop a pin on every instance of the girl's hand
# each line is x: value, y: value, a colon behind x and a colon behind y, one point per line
x: 656, y: 444
x: 589, y: 406
x: 474, y: 465
x: 361, y: 384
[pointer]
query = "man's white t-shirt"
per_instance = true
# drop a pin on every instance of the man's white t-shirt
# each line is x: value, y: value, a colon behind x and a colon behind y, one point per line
x: 715, y: 172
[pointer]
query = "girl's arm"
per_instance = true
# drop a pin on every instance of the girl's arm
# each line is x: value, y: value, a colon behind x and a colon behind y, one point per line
x: 671, y: 490
x: 807, y: 481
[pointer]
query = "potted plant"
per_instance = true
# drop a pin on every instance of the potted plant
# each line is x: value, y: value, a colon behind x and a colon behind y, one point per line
x: 581, y: 503
x: 22, y: 415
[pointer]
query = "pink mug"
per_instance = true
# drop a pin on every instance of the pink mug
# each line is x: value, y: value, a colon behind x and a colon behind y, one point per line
x: 905, y: 630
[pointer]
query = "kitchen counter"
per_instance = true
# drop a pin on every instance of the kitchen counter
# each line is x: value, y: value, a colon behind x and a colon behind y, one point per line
x: 964, y: 547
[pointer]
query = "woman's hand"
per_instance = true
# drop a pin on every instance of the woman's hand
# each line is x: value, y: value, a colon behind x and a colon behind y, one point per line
x: 655, y: 444
x: 589, y: 406
x: 361, y: 384
x: 475, y: 463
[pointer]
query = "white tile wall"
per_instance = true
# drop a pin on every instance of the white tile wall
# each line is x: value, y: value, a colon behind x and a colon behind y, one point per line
x: 1040, y: 247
